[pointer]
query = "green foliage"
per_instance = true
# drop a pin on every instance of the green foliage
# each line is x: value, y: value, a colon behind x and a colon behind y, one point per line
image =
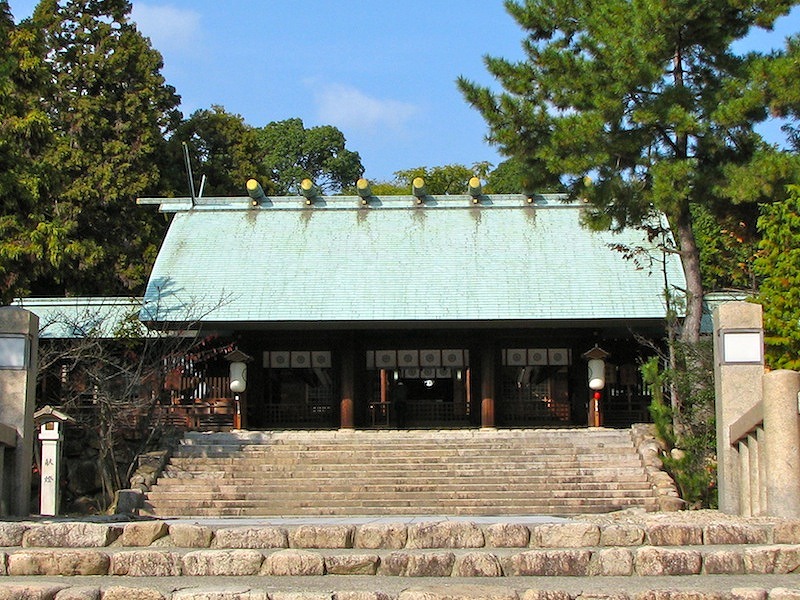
x: 443, y: 180
x: 728, y: 247
x: 649, y: 100
x: 279, y: 155
x: 690, y: 430
x: 778, y: 264
x: 108, y: 107
x: 221, y: 146
x: 287, y: 153
x: 30, y: 242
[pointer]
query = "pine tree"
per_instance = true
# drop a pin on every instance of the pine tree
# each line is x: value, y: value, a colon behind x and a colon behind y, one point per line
x: 110, y: 108
x: 647, y: 99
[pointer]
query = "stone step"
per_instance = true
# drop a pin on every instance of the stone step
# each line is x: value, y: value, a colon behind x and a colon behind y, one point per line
x: 497, y: 472
x: 391, y: 485
x: 430, y: 471
x: 541, y: 459
x: 716, y: 587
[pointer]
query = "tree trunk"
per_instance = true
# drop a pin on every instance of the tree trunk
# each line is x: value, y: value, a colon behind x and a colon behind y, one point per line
x: 690, y: 257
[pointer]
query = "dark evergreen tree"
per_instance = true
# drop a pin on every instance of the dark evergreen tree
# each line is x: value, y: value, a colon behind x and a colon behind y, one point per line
x: 222, y: 147
x: 110, y: 108
x: 649, y: 100
x: 29, y: 242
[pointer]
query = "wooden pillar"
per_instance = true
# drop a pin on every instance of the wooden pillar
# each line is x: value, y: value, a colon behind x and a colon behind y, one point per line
x: 487, y: 387
x: 346, y: 411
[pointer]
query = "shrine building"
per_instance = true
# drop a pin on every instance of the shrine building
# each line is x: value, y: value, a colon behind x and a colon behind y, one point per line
x: 415, y: 311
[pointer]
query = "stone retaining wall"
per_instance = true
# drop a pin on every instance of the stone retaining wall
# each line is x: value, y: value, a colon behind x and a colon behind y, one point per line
x: 466, y: 560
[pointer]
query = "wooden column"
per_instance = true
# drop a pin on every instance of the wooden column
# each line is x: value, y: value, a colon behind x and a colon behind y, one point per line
x: 487, y: 387
x: 347, y: 420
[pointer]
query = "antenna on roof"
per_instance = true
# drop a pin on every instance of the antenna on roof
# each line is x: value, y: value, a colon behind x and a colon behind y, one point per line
x: 189, y: 172
x: 202, y: 185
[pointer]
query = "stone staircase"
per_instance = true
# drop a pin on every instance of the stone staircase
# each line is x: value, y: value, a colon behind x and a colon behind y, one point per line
x: 417, y: 472
x: 634, y: 556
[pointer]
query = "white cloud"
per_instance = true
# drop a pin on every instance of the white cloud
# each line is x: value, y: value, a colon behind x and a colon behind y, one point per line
x: 349, y: 108
x: 169, y: 28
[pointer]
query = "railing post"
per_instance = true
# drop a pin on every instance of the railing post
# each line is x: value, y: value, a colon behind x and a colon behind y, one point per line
x: 781, y: 390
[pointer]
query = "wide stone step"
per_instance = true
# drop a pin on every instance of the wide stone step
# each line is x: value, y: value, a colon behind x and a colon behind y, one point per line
x: 524, y: 476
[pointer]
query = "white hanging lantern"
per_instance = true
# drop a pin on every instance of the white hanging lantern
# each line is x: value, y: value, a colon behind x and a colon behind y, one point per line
x: 238, y: 377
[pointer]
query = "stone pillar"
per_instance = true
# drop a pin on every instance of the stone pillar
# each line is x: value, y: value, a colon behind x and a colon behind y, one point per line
x: 744, y: 480
x: 19, y: 338
x: 737, y: 382
x: 756, y: 483
x: 781, y: 390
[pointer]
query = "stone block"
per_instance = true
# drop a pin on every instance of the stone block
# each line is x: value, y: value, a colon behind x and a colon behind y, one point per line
x: 128, y: 502
x: 786, y: 532
x: 611, y: 562
x: 545, y: 595
x: 187, y: 535
x: 242, y: 593
x: 788, y: 560
x: 772, y: 559
x: 681, y: 595
x: 667, y: 561
x: 120, y: 592
x: 760, y: 560
x: 11, y: 534
x: 293, y: 562
x: 734, y: 533
x: 723, y: 562
x: 445, y: 534
x: 477, y: 564
x: 565, y: 535
x: 668, y: 534
x: 621, y: 534
x: 374, y: 536
x: 58, y: 562
x: 361, y: 595
x: 459, y: 592
x: 603, y: 596
x: 146, y: 563
x: 548, y: 563
x: 44, y: 591
x: 352, y: 564
x: 408, y: 564
x: 784, y: 594
x: 322, y: 536
x: 748, y: 594
x: 143, y: 533
x: 234, y: 563
x: 300, y: 596
x: 250, y: 538
x: 70, y: 535
x: 507, y: 535
x: 79, y: 593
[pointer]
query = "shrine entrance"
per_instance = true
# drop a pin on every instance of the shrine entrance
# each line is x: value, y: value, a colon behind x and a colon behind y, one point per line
x: 419, y: 388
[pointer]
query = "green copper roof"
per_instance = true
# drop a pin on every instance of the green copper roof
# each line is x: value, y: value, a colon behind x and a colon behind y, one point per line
x: 504, y: 258
x: 80, y: 317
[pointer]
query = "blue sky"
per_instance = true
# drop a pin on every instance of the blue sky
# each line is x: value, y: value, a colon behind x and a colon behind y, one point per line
x: 383, y: 72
